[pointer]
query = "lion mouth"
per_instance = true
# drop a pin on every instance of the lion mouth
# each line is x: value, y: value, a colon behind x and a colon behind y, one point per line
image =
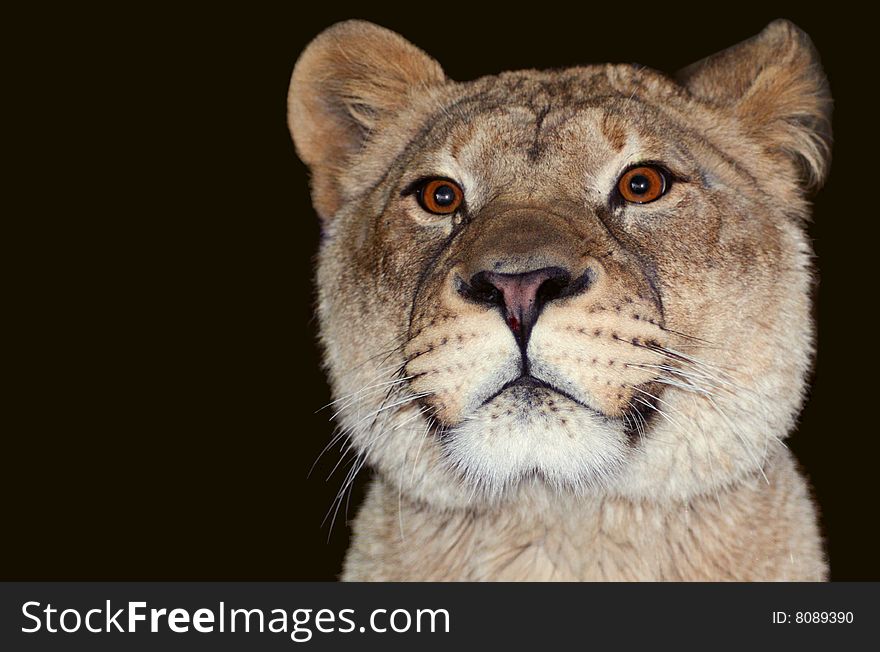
x: 531, y: 390
x: 531, y: 387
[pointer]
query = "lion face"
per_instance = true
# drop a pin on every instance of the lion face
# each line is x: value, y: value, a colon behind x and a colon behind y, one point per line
x: 586, y: 280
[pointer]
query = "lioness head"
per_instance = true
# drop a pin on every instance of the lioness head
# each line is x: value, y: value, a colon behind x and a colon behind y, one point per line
x: 591, y: 279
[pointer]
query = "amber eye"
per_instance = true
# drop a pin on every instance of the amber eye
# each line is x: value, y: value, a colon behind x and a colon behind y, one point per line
x: 440, y: 196
x: 642, y: 184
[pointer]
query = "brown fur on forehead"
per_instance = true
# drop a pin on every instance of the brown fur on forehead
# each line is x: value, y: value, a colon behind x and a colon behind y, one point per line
x: 543, y: 144
x: 614, y: 130
x: 534, y: 104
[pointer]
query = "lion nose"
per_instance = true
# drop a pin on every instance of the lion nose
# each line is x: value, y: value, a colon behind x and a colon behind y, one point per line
x: 522, y: 296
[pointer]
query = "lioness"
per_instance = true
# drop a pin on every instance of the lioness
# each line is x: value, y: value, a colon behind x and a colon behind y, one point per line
x: 566, y: 314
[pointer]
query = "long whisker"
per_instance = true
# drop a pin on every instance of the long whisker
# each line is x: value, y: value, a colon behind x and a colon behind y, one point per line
x: 684, y: 357
x: 387, y: 352
x: 337, y: 436
x: 364, y: 389
x: 692, y: 338
x: 418, y: 414
x: 689, y: 385
x: 428, y: 427
x: 715, y: 381
x: 367, y: 394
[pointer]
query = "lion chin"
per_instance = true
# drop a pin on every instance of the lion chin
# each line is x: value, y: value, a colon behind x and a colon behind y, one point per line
x: 524, y: 432
x: 566, y: 314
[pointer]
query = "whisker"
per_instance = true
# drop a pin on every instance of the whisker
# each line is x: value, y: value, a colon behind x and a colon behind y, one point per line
x: 387, y: 352
x: 339, y: 434
x: 408, y: 399
x: 373, y: 392
x: 684, y: 357
x: 689, y: 337
x: 715, y: 381
x: 688, y: 387
x: 429, y: 425
x: 400, y: 479
x: 748, y: 448
x: 362, y: 390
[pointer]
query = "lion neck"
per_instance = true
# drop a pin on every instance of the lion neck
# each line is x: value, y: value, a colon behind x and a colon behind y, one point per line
x: 734, y: 535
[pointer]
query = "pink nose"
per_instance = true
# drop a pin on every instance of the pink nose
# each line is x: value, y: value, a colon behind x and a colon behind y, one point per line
x: 521, y: 295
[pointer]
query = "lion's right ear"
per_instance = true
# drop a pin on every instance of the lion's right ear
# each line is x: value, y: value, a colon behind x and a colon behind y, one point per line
x: 351, y: 78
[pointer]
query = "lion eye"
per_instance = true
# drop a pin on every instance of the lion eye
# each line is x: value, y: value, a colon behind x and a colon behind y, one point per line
x: 642, y: 184
x: 440, y: 196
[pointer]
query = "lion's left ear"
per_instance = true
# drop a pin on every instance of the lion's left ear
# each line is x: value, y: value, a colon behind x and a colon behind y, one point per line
x: 777, y: 90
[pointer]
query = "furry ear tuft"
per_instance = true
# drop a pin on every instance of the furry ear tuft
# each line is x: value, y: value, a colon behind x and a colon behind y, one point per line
x: 351, y: 79
x: 775, y: 86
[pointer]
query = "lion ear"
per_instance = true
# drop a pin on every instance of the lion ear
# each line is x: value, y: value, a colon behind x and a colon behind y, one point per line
x: 351, y: 78
x: 775, y: 86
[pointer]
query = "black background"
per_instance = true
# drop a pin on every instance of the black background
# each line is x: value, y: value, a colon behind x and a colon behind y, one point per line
x: 163, y: 373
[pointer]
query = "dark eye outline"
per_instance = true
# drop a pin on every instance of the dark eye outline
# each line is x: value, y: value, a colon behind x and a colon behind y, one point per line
x: 666, y: 179
x: 419, y: 187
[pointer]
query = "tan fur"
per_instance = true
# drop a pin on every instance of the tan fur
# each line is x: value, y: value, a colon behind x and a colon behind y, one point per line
x: 654, y: 451
x: 543, y: 537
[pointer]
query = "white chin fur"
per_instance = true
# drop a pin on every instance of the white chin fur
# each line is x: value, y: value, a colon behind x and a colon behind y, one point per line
x: 526, y: 432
